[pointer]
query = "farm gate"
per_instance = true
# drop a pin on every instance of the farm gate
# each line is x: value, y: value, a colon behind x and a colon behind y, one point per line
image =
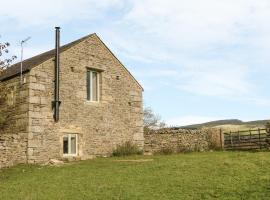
x: 247, y: 140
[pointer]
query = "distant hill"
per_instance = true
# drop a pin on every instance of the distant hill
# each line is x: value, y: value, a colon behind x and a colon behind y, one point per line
x: 228, y: 124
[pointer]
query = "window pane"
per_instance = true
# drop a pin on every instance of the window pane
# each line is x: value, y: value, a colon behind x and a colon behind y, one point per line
x: 92, y: 85
x: 95, y: 86
x: 65, y: 145
x: 73, y: 145
x: 88, y: 86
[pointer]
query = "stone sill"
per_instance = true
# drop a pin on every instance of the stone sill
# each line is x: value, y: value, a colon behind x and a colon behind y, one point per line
x: 93, y: 103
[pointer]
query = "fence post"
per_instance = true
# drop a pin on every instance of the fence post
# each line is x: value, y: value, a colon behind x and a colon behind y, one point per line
x: 259, y: 130
x: 238, y: 136
x: 231, y: 139
x: 220, y: 138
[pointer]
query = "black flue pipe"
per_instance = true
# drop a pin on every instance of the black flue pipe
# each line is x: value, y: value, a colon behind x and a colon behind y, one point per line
x: 56, y: 102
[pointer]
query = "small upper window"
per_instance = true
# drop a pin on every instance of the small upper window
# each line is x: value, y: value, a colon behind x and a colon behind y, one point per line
x: 92, y: 85
x: 70, y: 144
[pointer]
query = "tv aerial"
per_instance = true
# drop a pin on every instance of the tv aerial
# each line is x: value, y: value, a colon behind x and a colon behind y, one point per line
x: 22, y: 43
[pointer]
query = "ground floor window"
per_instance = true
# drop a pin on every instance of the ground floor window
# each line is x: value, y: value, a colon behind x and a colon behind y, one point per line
x: 70, y: 144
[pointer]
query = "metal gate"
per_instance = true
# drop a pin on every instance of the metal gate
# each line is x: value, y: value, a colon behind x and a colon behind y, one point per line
x: 247, y: 140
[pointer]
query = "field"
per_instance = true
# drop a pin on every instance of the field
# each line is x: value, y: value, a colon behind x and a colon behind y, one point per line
x: 229, y: 127
x: 212, y: 175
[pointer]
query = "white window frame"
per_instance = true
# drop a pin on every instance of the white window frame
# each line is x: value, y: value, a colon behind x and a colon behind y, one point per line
x: 69, y: 136
x: 91, y: 86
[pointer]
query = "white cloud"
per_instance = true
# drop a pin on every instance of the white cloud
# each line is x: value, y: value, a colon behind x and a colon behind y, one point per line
x: 216, y: 78
x: 210, y: 43
x: 135, y: 44
x: 39, y: 12
x: 197, y: 23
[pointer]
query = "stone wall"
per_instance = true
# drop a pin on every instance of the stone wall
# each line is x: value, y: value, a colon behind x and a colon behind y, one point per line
x: 181, y: 140
x: 14, y: 123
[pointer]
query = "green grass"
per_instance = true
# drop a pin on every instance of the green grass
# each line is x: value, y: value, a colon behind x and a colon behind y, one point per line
x: 212, y: 175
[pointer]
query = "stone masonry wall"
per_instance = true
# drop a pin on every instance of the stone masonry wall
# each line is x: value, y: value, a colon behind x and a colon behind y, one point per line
x: 14, y: 123
x: 100, y: 126
x: 181, y: 140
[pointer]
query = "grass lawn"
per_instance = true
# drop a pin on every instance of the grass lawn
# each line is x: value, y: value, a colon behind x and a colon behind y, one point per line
x: 212, y: 175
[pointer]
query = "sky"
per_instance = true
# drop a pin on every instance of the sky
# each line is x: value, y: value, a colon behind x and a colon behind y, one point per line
x: 197, y: 60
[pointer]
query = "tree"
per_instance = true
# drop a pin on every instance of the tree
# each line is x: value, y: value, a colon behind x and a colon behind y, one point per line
x: 5, y: 61
x: 151, y: 120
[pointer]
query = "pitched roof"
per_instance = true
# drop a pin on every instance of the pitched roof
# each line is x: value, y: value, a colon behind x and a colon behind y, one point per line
x: 28, y: 64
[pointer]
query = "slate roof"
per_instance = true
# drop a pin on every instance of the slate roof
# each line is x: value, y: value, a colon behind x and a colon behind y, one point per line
x: 28, y: 64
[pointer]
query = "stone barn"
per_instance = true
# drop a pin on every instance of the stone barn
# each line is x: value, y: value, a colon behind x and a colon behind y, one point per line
x: 101, y: 105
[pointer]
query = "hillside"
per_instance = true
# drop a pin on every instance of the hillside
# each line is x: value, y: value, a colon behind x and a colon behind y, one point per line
x: 229, y: 124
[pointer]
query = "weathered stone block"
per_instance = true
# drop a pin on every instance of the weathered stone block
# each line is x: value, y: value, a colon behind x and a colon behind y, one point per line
x: 37, y: 86
x: 34, y: 100
x: 33, y: 143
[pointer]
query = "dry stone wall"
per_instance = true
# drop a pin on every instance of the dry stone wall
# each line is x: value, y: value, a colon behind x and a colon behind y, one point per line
x: 182, y: 140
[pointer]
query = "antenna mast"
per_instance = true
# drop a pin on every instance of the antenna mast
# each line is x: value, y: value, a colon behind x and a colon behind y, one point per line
x: 22, y: 42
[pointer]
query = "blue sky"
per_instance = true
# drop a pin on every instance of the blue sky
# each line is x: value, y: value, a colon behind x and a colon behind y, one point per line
x: 197, y: 60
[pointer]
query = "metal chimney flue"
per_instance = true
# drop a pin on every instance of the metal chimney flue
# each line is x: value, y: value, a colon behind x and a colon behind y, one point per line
x: 56, y: 102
